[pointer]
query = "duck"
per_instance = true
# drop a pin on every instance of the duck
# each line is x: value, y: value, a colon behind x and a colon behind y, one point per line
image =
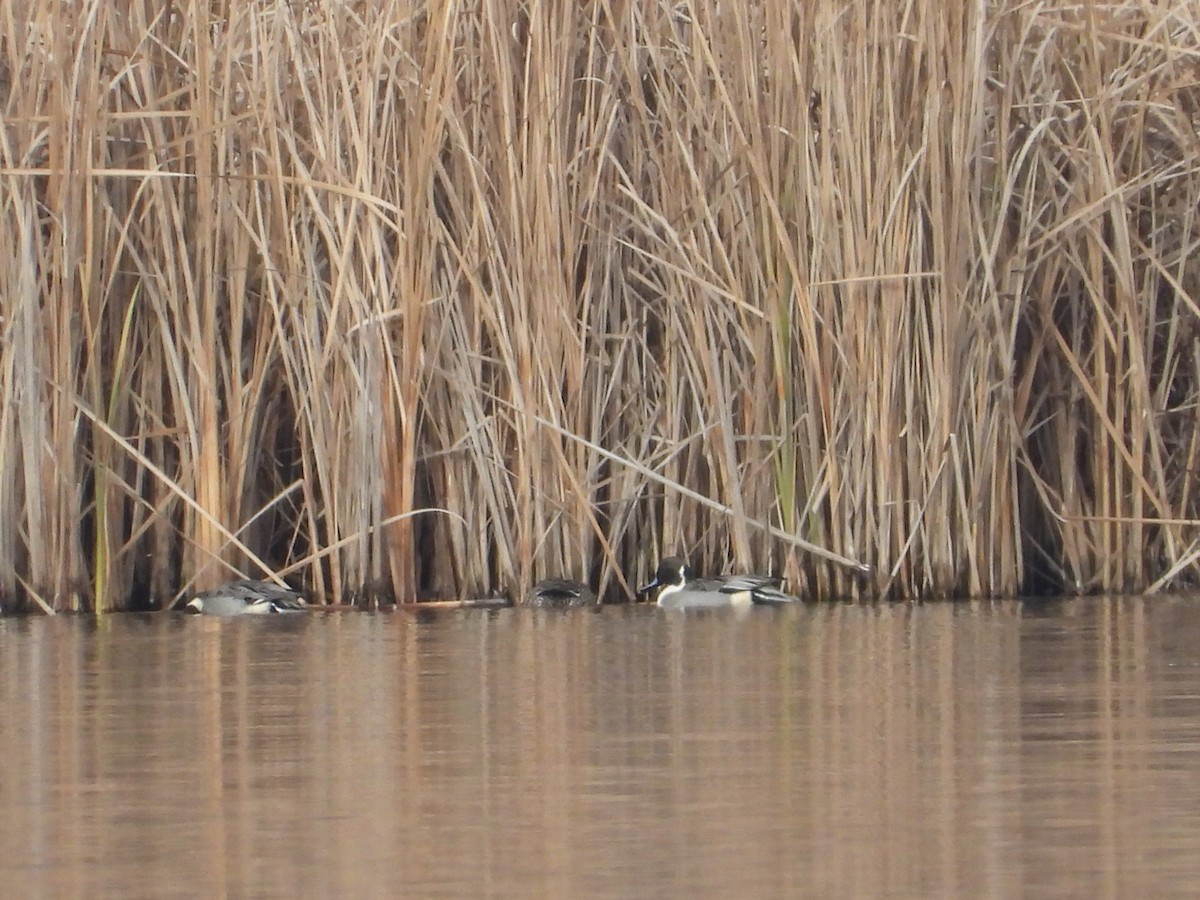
x: 679, y: 589
x: 560, y: 593
x: 246, y: 598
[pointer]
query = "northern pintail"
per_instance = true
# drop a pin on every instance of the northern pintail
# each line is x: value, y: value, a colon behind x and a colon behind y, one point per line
x: 560, y: 593
x: 677, y: 589
x: 247, y: 598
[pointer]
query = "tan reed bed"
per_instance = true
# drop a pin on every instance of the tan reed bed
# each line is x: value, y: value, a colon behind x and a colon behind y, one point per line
x: 433, y: 299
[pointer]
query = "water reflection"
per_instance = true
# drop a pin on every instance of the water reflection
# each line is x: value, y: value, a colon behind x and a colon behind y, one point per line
x: 973, y: 749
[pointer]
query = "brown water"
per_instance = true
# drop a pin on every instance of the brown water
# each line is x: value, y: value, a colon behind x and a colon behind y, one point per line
x: 981, y: 750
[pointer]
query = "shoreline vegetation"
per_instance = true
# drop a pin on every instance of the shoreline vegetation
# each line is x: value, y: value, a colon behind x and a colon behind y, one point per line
x: 432, y: 300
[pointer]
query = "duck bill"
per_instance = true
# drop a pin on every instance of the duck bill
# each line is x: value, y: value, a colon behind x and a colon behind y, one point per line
x: 645, y: 589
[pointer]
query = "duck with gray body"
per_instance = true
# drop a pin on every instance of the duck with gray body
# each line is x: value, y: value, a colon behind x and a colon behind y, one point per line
x: 247, y: 598
x: 560, y: 593
x: 678, y: 589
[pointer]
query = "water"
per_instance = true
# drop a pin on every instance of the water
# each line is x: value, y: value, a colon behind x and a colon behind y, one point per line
x: 981, y: 750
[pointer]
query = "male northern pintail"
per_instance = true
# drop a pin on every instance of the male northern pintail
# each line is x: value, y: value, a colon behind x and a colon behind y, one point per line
x: 560, y: 593
x: 677, y: 589
x: 247, y: 598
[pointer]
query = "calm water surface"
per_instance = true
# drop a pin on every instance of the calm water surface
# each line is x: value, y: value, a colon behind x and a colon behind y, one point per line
x: 970, y: 750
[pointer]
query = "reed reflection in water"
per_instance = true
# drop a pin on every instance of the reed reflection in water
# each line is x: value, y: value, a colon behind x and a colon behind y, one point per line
x: 971, y: 750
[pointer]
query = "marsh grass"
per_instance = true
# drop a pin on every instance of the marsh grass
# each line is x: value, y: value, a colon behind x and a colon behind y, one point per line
x: 594, y: 282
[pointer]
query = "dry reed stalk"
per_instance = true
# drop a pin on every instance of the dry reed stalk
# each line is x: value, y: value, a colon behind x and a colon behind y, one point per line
x: 915, y: 285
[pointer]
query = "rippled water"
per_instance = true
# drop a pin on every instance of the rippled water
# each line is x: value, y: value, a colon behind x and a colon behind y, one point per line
x: 909, y: 751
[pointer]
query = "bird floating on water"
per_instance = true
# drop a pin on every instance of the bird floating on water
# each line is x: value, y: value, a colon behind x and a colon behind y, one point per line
x: 679, y: 589
x: 560, y: 593
x: 247, y: 598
